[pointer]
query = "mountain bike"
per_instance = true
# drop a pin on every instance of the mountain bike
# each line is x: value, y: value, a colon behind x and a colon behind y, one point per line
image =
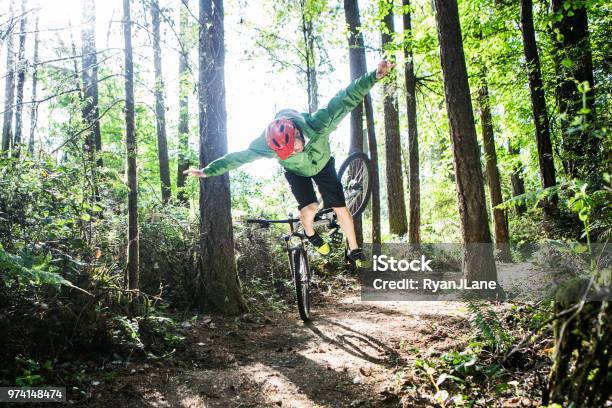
x: 355, y: 176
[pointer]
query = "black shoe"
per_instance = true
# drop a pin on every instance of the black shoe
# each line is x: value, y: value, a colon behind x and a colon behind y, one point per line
x: 320, y: 245
x: 356, y: 256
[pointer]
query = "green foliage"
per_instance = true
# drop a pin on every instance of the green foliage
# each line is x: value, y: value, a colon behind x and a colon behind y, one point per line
x: 303, y: 47
x: 169, y: 235
x: 38, y: 272
x: 125, y: 333
x: 591, y: 207
x: 162, y: 327
x: 463, y: 377
x: 30, y: 372
x: 53, y: 235
x: 529, y: 316
x: 492, y: 333
x: 484, y: 371
x: 44, y: 216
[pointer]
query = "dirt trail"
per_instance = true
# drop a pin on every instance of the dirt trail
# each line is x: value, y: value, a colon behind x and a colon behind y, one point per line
x: 346, y: 357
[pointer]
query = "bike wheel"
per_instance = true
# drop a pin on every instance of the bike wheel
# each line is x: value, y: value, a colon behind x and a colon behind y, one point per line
x: 301, y: 277
x: 355, y: 177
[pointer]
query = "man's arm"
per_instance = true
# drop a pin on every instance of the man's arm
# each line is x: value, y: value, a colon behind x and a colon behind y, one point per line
x: 231, y: 161
x: 325, y: 120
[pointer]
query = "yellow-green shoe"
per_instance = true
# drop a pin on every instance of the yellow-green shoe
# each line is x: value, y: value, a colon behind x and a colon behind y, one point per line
x: 356, y: 256
x: 324, y: 249
x: 317, y: 242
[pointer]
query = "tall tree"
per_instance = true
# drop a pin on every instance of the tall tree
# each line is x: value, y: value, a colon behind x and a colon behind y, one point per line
x: 131, y: 150
x: 183, y: 120
x: 373, y: 147
x: 21, y: 71
x: 358, y: 66
x: 574, y: 64
x: 395, y: 180
x: 414, y: 185
x: 34, y: 105
x: 9, y: 86
x: 89, y: 60
x: 309, y: 38
x: 218, y: 287
x: 478, y: 262
x: 538, y: 104
x: 500, y: 223
x: 516, y: 179
x: 160, y: 108
x: 293, y: 41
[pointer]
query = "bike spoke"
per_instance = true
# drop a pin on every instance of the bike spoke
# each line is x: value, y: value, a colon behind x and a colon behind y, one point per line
x: 355, y: 184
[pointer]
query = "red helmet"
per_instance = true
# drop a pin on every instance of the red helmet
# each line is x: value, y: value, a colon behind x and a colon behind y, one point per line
x: 280, y: 136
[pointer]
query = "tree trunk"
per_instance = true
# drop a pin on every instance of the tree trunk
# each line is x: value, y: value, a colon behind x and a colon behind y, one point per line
x: 538, y: 103
x: 516, y: 179
x: 91, y: 110
x: 9, y: 88
x: 309, y: 55
x: 218, y: 286
x: 183, y: 120
x: 574, y: 65
x: 373, y: 147
x: 478, y: 262
x: 357, y: 61
x: 414, y: 187
x: 160, y: 109
x: 131, y: 149
x: 21, y: 71
x: 395, y: 180
x: 351, y: 9
x: 500, y: 223
x: 34, y: 106
x: 580, y: 373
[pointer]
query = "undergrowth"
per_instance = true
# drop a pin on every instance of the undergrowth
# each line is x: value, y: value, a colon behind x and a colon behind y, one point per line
x: 488, y: 371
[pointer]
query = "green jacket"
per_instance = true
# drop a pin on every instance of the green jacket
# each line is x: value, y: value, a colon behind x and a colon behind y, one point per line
x: 314, y: 127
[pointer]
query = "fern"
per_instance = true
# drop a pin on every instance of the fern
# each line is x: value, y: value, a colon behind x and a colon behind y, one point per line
x: 12, y: 267
x: 490, y: 329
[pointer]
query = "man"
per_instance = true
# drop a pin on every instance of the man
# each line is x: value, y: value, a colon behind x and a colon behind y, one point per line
x: 301, y: 143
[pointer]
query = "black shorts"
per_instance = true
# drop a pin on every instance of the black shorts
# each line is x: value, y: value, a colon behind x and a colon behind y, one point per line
x: 328, y: 184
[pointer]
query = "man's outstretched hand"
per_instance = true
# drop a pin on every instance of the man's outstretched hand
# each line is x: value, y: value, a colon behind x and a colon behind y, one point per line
x: 194, y: 173
x: 383, y: 69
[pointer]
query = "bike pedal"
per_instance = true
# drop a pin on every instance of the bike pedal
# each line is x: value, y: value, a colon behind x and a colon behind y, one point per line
x: 336, y: 237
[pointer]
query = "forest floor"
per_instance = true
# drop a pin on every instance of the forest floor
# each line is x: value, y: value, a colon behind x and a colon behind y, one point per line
x: 350, y: 355
x: 347, y: 356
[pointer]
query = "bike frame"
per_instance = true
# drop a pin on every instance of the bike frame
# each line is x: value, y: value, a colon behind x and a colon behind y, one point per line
x: 321, y: 218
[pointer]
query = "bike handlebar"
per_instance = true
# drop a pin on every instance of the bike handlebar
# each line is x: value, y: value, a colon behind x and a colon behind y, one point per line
x: 268, y: 222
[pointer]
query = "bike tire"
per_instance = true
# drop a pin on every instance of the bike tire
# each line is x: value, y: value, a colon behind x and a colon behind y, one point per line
x: 362, y: 159
x: 301, y: 278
